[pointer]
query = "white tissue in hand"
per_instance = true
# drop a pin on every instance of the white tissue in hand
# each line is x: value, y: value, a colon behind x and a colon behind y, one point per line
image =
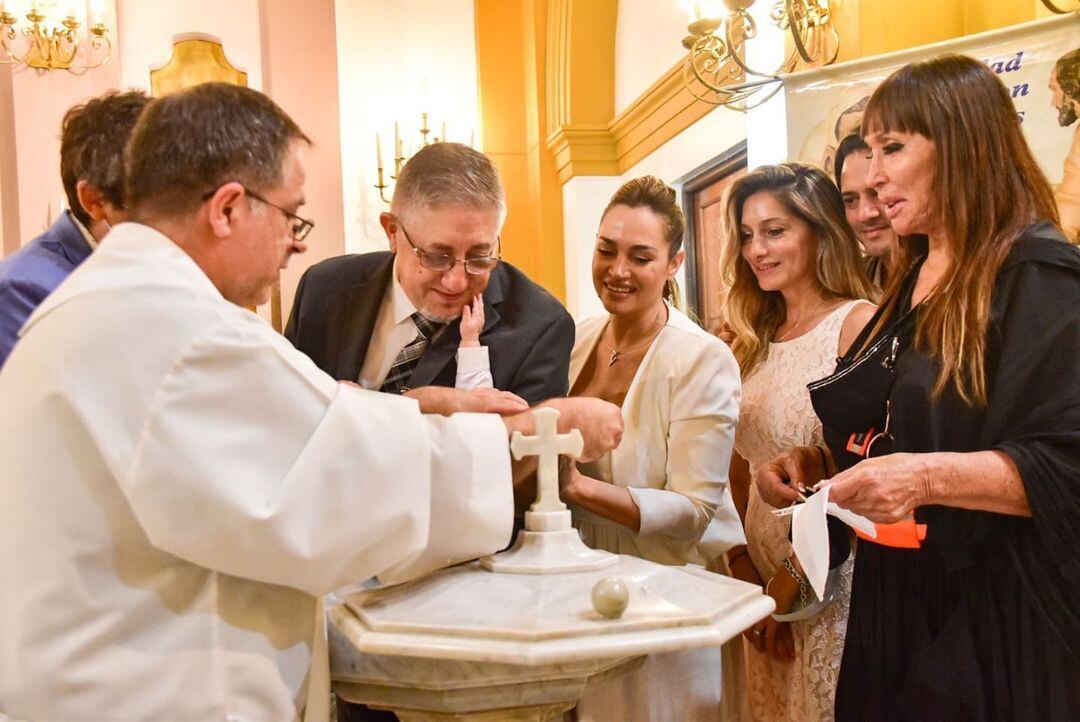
x: 810, y: 539
x: 810, y: 535
x: 855, y: 521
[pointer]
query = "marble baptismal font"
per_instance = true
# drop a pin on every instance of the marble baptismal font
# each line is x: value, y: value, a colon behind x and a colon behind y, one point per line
x: 521, y: 634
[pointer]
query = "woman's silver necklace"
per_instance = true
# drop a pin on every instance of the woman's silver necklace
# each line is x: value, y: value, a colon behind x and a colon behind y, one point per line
x: 799, y: 322
x: 616, y: 353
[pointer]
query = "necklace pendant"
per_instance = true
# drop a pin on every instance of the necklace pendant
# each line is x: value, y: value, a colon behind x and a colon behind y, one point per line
x: 614, y: 358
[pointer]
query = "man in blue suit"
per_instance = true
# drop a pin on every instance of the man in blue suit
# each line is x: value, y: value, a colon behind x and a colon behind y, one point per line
x: 93, y: 138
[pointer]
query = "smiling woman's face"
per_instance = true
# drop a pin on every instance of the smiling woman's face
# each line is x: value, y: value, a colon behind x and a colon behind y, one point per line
x: 630, y: 262
x: 778, y: 245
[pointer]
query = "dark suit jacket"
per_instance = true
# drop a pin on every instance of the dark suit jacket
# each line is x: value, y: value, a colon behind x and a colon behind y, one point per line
x: 528, y: 333
x: 33, y: 272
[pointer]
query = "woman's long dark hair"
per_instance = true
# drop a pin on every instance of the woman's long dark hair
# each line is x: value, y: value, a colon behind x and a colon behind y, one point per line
x: 988, y: 189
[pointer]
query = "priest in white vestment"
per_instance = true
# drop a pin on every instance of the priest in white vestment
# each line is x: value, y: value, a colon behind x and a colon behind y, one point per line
x: 180, y: 485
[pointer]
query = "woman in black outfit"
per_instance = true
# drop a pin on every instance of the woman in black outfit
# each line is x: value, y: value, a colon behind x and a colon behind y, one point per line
x: 954, y: 423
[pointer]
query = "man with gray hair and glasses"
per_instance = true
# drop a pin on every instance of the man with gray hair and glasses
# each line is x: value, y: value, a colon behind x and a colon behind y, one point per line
x: 181, y: 485
x: 388, y: 320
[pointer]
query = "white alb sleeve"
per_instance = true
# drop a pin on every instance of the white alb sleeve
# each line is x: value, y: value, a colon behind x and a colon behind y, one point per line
x: 255, y: 463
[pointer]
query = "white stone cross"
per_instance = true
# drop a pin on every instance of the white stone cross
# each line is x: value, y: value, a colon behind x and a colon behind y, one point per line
x: 548, y: 444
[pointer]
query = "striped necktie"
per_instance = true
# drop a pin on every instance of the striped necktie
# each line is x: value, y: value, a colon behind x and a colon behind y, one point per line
x: 406, y: 361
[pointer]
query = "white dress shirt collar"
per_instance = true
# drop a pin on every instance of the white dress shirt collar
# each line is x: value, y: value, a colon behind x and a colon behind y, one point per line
x: 403, y: 308
x: 84, y: 231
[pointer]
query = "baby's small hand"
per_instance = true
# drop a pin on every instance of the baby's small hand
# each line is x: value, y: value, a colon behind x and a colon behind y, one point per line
x: 472, y: 322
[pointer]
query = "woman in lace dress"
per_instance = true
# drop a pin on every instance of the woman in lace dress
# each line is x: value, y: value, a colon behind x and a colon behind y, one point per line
x: 662, y: 494
x: 795, y: 303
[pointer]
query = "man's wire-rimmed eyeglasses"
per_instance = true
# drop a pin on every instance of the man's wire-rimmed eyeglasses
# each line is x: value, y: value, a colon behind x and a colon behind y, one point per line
x: 443, y: 262
x: 301, y: 227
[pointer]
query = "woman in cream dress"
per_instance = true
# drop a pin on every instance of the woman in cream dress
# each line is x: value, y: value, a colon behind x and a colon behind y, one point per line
x: 796, y: 282
x: 662, y: 494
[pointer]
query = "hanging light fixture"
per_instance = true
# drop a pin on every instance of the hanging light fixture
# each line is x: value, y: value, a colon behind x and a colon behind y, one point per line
x: 716, y: 70
x: 51, y: 40
x: 1052, y: 6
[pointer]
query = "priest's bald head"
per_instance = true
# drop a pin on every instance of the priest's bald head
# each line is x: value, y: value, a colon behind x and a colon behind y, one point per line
x: 452, y: 202
x: 219, y: 169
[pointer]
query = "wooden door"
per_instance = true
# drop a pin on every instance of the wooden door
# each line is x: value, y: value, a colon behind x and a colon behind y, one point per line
x: 703, y: 196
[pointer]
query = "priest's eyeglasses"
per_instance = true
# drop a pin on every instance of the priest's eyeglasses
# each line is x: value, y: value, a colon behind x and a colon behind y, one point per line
x: 443, y: 262
x: 300, y: 227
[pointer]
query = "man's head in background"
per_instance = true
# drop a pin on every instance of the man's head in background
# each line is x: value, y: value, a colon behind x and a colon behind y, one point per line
x: 865, y: 213
x: 93, y: 141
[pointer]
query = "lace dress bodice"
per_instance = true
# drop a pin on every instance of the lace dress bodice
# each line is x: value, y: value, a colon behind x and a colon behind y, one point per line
x: 776, y: 414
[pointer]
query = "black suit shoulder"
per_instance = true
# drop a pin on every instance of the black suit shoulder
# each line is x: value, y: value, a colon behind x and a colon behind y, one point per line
x: 521, y: 296
x: 345, y: 273
x: 336, y: 302
x: 530, y: 345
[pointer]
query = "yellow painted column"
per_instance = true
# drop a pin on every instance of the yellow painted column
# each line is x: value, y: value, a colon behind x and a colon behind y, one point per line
x: 510, y: 67
x: 544, y: 186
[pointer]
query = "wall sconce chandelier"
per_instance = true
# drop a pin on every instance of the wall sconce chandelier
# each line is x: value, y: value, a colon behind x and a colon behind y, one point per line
x: 716, y: 70
x: 401, y: 151
x: 52, y: 40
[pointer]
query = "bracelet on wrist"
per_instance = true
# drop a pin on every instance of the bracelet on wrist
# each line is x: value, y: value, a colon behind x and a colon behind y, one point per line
x: 804, y: 585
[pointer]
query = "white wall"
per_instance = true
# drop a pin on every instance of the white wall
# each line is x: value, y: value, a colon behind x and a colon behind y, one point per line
x: 386, y: 50
x: 648, y: 41
x: 766, y: 140
x: 584, y: 198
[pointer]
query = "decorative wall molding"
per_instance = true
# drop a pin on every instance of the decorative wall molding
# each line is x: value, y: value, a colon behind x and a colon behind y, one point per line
x: 584, y: 134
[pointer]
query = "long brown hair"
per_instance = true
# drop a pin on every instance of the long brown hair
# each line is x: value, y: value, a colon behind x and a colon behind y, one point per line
x: 988, y: 189
x: 650, y: 192
x: 807, y: 192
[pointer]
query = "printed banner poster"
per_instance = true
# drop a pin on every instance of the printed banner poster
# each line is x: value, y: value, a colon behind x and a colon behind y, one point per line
x: 1039, y: 62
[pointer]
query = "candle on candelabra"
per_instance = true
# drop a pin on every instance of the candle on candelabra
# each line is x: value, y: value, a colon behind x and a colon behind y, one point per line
x: 378, y: 151
x: 397, y: 140
x: 443, y: 136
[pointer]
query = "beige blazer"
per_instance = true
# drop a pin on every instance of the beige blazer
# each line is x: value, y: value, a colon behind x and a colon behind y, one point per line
x: 679, y: 415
